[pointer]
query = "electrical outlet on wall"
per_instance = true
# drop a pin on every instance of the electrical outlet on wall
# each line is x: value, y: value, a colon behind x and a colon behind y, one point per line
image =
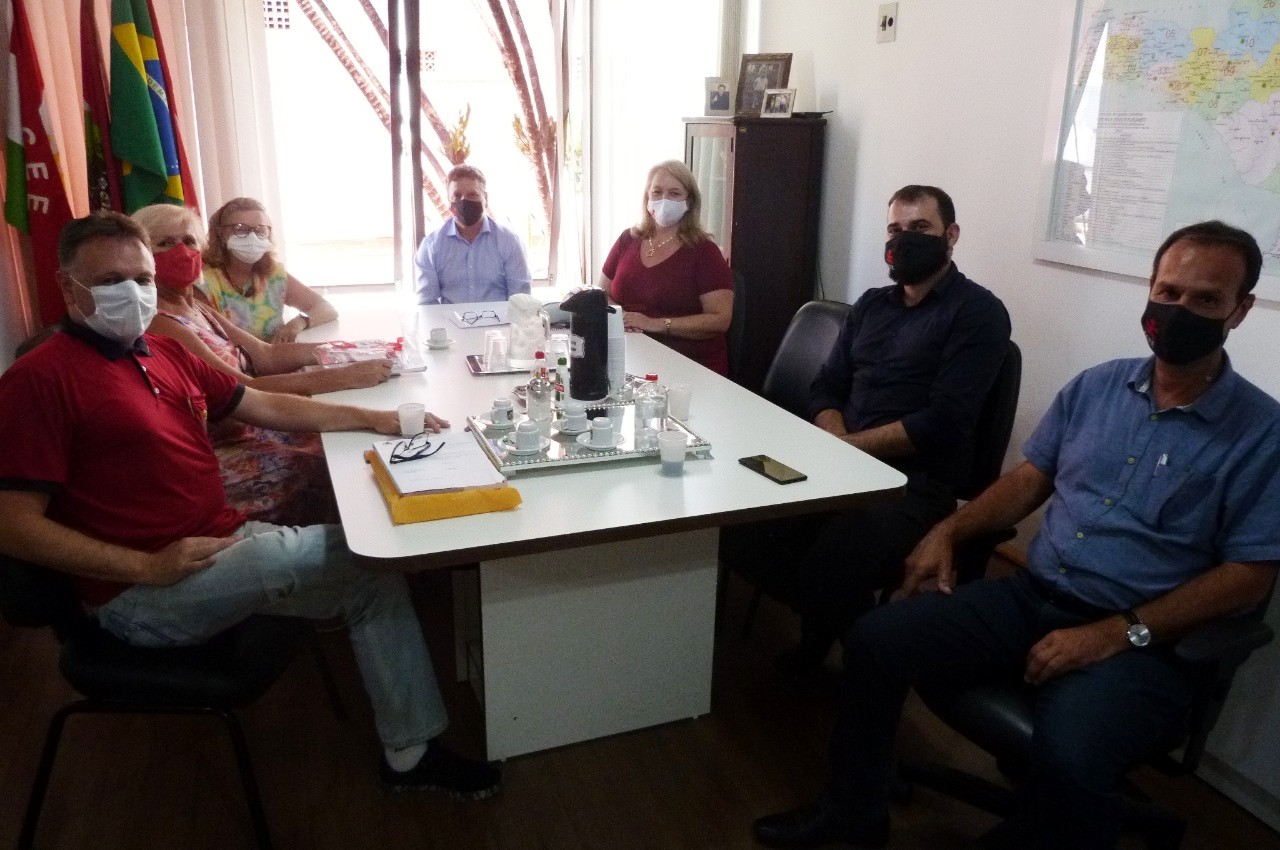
x: 887, y: 23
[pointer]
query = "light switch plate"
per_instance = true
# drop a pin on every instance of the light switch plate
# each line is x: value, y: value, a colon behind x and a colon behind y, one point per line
x: 887, y: 23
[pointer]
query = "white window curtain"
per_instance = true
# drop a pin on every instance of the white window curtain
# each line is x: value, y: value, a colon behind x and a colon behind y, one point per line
x: 217, y: 57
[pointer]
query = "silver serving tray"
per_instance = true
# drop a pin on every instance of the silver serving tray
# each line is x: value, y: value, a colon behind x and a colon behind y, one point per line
x: 565, y: 450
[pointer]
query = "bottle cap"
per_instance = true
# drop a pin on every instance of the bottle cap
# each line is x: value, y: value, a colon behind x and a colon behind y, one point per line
x: 651, y: 377
x: 539, y: 356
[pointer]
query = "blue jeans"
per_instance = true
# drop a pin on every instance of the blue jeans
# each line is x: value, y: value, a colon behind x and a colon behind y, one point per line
x: 1091, y: 724
x: 300, y: 572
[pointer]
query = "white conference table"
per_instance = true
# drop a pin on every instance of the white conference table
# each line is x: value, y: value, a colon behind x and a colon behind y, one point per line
x: 593, y: 608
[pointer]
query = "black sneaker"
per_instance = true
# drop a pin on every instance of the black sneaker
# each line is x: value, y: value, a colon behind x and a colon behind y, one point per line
x: 441, y: 769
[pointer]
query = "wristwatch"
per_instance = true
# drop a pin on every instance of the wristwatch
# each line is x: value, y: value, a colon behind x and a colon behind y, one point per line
x: 306, y: 320
x: 666, y: 325
x: 1139, y: 634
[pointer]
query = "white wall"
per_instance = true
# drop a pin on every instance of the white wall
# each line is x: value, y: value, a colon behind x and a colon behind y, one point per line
x: 963, y: 100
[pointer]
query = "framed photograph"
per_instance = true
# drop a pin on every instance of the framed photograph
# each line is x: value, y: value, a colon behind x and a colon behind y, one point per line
x: 719, y: 97
x: 760, y: 72
x: 777, y: 103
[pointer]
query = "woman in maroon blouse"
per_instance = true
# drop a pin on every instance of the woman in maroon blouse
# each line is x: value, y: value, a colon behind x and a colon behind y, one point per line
x: 670, y: 278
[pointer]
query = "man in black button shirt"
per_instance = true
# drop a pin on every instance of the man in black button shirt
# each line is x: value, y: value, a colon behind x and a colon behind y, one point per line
x: 905, y: 382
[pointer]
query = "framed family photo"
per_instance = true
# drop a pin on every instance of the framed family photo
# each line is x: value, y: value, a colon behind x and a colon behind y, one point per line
x: 778, y: 103
x: 760, y: 72
x: 718, y: 98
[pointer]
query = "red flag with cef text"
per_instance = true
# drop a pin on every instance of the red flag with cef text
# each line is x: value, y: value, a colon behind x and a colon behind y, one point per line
x: 35, y: 198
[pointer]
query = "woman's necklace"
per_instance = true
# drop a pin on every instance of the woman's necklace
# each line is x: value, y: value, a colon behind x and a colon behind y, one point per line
x: 653, y: 249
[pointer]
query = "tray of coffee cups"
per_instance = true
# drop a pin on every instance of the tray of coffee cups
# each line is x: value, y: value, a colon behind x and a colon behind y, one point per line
x: 576, y: 434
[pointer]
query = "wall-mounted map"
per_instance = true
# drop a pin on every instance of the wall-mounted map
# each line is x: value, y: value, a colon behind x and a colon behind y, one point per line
x: 1171, y: 115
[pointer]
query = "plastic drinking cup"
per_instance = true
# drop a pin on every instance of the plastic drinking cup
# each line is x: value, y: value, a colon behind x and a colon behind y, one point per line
x: 413, y: 418
x: 495, y: 352
x: 678, y: 398
x: 672, y: 446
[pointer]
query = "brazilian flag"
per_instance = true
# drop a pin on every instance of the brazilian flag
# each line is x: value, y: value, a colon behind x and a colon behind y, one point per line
x: 141, y: 125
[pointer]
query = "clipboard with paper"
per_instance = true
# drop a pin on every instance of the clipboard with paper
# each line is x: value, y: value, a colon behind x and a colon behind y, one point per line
x: 456, y: 479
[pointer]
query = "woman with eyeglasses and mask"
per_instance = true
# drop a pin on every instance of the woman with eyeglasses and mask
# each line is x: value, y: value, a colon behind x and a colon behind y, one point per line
x: 247, y: 284
x: 272, y: 476
x: 669, y: 276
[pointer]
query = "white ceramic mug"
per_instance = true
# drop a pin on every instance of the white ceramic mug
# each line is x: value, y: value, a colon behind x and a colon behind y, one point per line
x: 439, y: 336
x: 528, y: 438
x: 602, y: 432
x: 575, y: 417
x: 503, y: 412
x: 413, y: 418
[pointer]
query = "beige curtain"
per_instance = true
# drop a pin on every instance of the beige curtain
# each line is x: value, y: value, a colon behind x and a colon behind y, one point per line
x: 223, y: 112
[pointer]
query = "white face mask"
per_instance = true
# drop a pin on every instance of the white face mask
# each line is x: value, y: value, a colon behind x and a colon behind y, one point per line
x: 121, y: 311
x: 248, y: 248
x: 667, y: 212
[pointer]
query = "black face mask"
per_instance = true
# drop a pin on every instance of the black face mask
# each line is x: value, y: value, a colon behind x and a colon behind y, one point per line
x: 467, y: 212
x: 1177, y: 335
x: 913, y: 256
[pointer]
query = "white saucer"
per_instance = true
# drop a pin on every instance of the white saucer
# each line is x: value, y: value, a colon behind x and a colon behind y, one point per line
x: 570, y: 432
x: 508, y: 443
x: 585, y: 440
x: 439, y: 346
x: 489, y: 423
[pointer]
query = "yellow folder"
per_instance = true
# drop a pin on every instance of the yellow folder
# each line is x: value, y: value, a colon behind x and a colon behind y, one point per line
x: 421, y: 507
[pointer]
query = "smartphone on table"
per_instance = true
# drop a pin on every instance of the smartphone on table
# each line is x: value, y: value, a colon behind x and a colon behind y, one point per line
x: 772, y: 469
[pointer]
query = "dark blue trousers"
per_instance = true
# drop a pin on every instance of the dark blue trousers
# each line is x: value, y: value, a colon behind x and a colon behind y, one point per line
x: 1091, y: 724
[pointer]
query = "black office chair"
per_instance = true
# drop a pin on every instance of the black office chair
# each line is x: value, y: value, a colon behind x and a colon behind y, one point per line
x: 986, y: 460
x: 998, y: 717
x: 804, y: 347
x: 230, y: 671
x: 735, y: 338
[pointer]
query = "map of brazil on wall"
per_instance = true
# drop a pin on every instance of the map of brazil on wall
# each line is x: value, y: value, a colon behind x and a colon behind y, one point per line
x: 1171, y: 116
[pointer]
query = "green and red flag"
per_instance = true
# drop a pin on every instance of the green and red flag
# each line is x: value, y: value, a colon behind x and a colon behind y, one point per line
x: 141, y: 125
x: 35, y: 199
x: 104, y: 171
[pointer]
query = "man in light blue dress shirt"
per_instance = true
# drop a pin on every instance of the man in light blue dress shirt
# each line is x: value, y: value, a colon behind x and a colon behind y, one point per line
x: 1162, y: 473
x: 470, y: 257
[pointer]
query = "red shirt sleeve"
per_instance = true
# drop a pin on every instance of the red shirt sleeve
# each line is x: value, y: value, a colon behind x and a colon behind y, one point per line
x: 711, y: 273
x: 35, y: 429
x: 610, y: 267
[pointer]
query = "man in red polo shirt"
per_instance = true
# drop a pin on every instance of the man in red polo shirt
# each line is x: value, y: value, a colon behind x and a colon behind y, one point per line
x: 108, y: 475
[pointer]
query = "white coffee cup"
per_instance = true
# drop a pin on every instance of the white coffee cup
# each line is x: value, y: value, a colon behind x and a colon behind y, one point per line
x: 672, y: 447
x: 602, y: 432
x: 528, y: 438
x: 413, y: 418
x: 678, y: 398
x: 439, y: 336
x: 503, y: 412
x: 575, y: 417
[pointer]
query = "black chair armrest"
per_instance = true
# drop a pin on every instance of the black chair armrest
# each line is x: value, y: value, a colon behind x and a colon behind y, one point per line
x: 1224, y: 639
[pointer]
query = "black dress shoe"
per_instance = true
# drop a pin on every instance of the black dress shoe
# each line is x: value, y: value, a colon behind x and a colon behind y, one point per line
x: 817, y: 825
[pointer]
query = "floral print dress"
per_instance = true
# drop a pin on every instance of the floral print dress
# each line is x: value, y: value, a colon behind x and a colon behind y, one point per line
x: 272, y: 476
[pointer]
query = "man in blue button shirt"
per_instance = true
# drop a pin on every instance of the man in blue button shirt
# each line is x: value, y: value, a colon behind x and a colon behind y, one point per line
x: 905, y: 382
x: 470, y: 257
x: 1163, y: 473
